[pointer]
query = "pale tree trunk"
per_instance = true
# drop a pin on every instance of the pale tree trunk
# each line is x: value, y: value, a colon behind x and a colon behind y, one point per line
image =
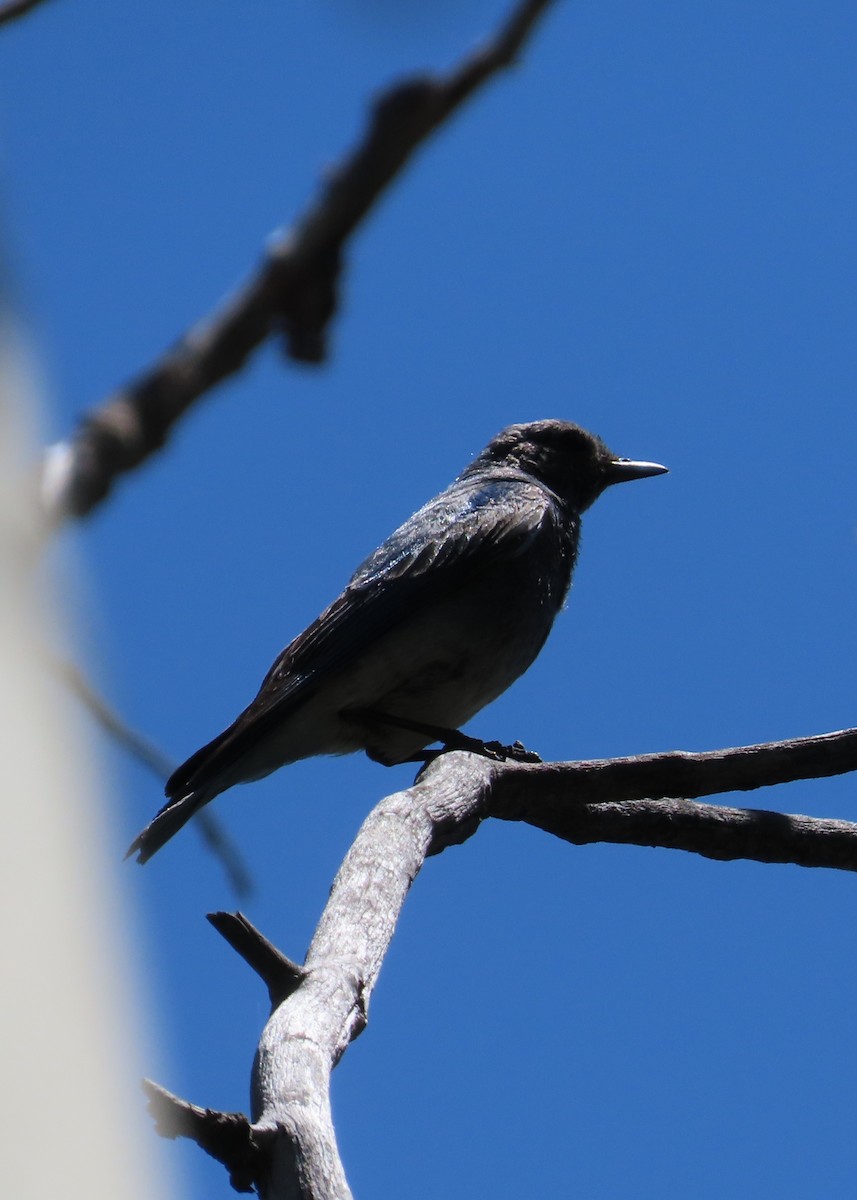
x: 68, y: 1031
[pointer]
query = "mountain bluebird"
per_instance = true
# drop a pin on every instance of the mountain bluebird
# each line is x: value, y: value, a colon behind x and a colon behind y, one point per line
x: 440, y: 620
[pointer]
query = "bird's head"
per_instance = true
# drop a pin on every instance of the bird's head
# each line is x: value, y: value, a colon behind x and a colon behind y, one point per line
x: 574, y: 464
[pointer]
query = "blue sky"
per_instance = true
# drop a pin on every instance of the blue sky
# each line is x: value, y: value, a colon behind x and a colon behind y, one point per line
x: 648, y: 228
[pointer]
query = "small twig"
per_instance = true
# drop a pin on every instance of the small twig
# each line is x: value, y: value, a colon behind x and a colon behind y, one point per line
x: 12, y: 9
x: 228, y: 1137
x: 280, y: 975
x: 292, y: 292
x: 147, y: 753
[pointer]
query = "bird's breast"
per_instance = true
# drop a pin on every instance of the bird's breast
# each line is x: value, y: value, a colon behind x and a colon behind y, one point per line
x: 448, y: 660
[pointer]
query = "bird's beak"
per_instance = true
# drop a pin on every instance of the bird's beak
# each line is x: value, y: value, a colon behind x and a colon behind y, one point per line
x: 623, y: 469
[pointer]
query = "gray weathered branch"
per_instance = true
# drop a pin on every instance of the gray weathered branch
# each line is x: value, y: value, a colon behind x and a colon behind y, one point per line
x: 293, y: 292
x: 290, y: 1149
x: 630, y: 800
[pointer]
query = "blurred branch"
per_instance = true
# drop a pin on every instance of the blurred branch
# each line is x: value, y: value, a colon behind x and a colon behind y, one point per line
x: 138, y: 747
x: 290, y: 1148
x: 293, y: 292
x: 145, y: 752
x: 13, y: 9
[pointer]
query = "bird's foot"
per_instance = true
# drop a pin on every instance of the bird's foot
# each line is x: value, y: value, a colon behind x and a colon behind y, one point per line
x: 517, y: 752
x: 454, y: 739
x: 450, y: 739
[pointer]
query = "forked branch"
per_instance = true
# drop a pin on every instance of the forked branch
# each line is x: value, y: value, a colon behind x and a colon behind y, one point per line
x: 293, y: 1150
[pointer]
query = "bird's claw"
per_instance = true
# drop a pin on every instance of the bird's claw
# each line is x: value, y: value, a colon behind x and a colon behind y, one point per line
x: 450, y: 739
x: 517, y: 752
x: 495, y: 751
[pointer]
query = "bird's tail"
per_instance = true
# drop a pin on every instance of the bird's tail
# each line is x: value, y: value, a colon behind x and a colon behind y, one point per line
x: 189, y: 787
x: 175, y: 813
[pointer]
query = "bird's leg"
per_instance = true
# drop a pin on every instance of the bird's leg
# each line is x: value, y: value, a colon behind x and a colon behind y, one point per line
x: 451, y: 739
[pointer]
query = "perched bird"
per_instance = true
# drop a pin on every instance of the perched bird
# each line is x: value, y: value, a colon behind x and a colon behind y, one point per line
x: 440, y: 620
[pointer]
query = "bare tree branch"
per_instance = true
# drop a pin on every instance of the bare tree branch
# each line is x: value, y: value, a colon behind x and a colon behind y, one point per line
x: 628, y: 800
x: 293, y: 291
x: 680, y: 773
x: 12, y: 9
x: 711, y: 830
x: 616, y: 800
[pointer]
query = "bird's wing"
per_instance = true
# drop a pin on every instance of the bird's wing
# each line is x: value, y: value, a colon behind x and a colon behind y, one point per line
x: 471, y: 526
x: 467, y: 528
